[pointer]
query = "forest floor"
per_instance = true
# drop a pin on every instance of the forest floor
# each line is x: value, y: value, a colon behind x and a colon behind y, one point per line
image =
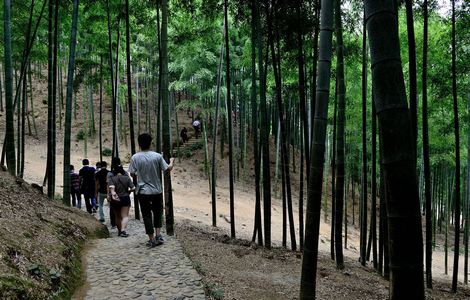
x: 236, y: 268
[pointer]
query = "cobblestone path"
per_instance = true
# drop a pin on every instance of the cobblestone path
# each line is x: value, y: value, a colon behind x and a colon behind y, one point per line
x: 125, y: 268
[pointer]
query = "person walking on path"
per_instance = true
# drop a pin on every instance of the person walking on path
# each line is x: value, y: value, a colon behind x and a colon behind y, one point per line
x: 121, y: 184
x: 87, y: 184
x: 197, y: 128
x: 75, y: 188
x: 115, y: 161
x: 184, y: 135
x: 148, y: 166
x: 94, y: 200
x: 101, y: 188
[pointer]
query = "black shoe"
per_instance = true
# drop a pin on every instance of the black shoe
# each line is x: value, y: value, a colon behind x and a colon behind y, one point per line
x: 123, y: 234
x: 154, y: 243
x: 102, y: 220
x: 160, y: 239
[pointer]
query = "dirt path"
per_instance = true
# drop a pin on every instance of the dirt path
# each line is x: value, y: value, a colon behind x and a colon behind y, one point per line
x: 125, y: 268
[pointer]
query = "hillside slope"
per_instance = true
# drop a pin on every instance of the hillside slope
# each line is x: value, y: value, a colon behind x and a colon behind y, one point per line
x: 41, y: 243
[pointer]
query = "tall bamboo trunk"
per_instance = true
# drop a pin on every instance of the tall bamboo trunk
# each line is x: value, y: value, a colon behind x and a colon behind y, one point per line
x: 309, y: 260
x: 333, y: 174
x: 68, y: 105
x: 283, y: 137
x: 455, y: 273
x: 313, y: 99
x: 398, y: 159
x: 264, y: 132
x: 230, y: 125
x: 467, y: 200
x: 51, y: 100
x: 363, y: 201
x: 214, y: 139
x: 341, y: 120
x: 113, y: 88
x: 373, y: 217
x: 412, y: 69
x: 426, y: 162
x: 129, y: 81
x: 257, y: 230
x: 101, y: 111
x: 166, y: 128
x: 302, y: 96
x: 160, y: 71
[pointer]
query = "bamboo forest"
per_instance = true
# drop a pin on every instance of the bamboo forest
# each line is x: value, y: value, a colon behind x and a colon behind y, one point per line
x: 223, y: 149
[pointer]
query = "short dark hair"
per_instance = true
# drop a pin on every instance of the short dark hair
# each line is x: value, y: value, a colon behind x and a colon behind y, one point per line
x: 145, y: 140
x: 115, y: 161
x: 104, y: 164
x: 118, y: 170
x: 85, y: 162
x: 98, y: 164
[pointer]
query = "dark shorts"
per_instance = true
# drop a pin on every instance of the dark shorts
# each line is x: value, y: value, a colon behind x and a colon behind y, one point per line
x: 125, y: 201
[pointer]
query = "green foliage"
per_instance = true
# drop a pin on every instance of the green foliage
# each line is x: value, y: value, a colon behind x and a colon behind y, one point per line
x: 35, y: 270
x: 213, y: 291
x: 55, y: 276
x: 196, y: 146
x: 107, y: 152
x: 80, y: 135
x: 198, y: 267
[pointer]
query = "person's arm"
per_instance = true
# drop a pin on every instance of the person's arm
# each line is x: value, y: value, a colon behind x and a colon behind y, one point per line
x: 132, y: 169
x: 97, y: 187
x: 131, y: 184
x: 170, y: 165
x: 80, y: 180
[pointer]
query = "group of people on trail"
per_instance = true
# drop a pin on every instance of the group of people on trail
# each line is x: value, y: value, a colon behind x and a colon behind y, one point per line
x: 116, y: 186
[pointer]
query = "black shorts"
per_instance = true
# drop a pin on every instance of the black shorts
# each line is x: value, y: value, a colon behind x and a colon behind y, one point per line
x: 124, y: 201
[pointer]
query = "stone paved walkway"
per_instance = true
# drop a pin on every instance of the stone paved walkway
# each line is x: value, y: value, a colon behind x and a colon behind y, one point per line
x: 124, y: 268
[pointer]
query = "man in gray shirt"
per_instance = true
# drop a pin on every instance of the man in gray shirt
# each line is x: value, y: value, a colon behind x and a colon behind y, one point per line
x: 148, y: 166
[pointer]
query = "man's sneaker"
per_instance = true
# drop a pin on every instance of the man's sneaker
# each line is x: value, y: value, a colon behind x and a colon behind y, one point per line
x: 123, y: 234
x: 93, y: 210
x: 153, y: 244
x: 160, y: 239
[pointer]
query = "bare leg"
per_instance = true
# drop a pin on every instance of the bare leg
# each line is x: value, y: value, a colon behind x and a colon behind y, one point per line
x: 117, y: 213
x: 124, y: 217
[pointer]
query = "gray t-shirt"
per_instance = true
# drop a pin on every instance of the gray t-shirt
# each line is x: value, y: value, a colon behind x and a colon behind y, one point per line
x: 122, y: 184
x: 148, y: 165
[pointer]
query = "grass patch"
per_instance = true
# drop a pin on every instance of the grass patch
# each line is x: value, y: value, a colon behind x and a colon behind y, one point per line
x: 14, y: 287
x: 213, y: 292
x: 107, y: 152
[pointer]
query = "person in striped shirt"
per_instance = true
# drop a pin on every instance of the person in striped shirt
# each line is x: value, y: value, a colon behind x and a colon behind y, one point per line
x: 75, y: 188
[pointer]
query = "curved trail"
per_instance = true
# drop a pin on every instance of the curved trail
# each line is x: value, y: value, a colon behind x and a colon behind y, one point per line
x: 124, y: 268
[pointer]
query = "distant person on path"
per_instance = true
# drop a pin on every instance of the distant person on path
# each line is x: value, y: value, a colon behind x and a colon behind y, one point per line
x: 122, y: 185
x: 75, y: 188
x: 115, y: 161
x: 87, y: 183
x: 148, y: 166
x: 101, y: 188
x: 197, y: 127
x: 94, y: 200
x: 184, y: 135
